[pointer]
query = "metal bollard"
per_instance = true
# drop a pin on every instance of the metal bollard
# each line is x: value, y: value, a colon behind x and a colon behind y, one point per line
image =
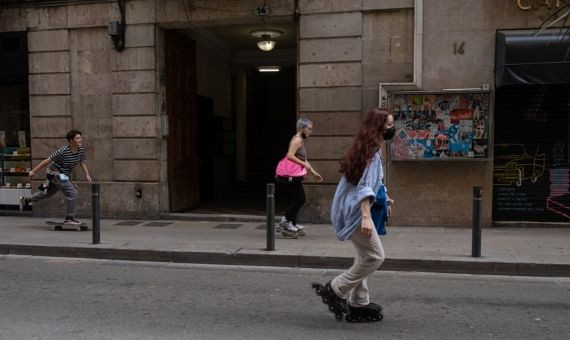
x: 270, y: 207
x: 96, y: 211
x: 476, y: 237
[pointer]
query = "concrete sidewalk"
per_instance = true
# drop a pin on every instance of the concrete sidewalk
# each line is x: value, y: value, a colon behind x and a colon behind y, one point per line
x: 506, y: 251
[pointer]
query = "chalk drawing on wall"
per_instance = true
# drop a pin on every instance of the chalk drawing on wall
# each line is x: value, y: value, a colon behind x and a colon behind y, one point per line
x: 513, y: 165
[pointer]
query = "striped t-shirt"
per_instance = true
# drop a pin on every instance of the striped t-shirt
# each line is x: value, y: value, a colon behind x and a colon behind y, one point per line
x: 64, y: 160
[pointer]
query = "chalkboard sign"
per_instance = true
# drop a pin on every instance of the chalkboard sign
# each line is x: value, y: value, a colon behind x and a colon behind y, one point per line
x: 440, y: 126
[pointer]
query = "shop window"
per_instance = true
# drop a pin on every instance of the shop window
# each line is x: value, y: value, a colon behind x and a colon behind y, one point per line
x: 15, y: 151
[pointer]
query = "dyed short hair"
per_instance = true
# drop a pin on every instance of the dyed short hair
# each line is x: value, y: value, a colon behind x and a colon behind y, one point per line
x: 303, y: 123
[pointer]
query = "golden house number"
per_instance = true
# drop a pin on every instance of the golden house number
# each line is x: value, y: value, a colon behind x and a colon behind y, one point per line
x: 459, y: 48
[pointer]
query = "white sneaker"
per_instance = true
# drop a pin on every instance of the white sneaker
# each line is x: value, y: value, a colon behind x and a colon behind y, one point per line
x: 287, y: 225
x: 299, y: 227
x: 70, y: 220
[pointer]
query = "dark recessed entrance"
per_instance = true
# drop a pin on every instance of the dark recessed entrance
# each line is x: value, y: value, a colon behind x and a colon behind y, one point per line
x: 245, y: 118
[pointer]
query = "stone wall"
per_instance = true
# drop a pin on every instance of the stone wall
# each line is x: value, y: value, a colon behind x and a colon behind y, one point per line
x: 77, y: 80
x: 440, y: 193
x: 345, y: 49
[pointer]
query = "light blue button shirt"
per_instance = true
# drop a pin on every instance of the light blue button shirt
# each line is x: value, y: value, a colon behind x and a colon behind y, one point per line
x: 346, y: 216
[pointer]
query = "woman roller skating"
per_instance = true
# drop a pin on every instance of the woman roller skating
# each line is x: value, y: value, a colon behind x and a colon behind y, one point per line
x: 291, y: 171
x: 360, y: 186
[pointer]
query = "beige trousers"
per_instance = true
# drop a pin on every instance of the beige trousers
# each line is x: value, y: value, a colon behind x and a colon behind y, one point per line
x: 369, y: 256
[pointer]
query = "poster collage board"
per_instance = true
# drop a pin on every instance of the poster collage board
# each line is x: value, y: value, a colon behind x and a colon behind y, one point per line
x: 440, y: 126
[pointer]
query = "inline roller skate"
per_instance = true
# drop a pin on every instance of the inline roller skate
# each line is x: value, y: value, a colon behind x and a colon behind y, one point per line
x: 337, y: 305
x: 287, y: 229
x: 300, y: 229
x: 368, y: 313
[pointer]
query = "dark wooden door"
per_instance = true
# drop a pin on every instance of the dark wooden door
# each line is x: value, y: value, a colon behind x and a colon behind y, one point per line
x: 181, y: 99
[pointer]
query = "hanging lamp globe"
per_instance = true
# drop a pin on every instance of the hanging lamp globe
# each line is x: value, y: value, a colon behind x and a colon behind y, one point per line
x: 266, y: 45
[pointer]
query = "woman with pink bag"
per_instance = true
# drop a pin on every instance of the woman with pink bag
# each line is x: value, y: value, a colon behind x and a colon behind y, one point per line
x: 291, y: 170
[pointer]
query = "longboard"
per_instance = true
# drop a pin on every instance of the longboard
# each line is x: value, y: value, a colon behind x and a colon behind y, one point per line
x: 60, y: 226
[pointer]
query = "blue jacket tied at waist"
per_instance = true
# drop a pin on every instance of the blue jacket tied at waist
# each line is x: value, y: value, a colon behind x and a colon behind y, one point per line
x: 379, y: 210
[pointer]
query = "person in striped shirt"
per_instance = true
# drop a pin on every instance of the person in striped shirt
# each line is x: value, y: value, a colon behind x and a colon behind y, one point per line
x: 61, y: 164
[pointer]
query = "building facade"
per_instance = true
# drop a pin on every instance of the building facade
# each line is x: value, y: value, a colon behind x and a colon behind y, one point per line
x: 174, y: 112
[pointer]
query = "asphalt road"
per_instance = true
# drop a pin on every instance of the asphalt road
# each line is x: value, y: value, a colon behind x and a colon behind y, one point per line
x: 58, y: 298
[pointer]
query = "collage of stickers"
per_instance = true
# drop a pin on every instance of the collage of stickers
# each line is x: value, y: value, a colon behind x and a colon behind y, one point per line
x: 440, y: 126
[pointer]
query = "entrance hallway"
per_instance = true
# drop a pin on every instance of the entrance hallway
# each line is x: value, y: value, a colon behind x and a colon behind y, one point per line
x: 245, y: 118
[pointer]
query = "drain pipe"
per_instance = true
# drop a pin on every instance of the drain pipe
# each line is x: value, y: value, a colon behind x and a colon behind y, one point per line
x: 416, y: 84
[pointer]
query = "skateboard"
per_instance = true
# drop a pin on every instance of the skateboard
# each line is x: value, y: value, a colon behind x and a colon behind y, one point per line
x: 60, y: 226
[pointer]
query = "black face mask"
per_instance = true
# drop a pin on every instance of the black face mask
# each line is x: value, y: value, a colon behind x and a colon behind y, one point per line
x: 389, y: 134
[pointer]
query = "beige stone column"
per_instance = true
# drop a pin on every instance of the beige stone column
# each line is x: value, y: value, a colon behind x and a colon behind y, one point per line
x: 330, y: 94
x: 78, y: 80
x: 50, y: 101
x: 139, y: 151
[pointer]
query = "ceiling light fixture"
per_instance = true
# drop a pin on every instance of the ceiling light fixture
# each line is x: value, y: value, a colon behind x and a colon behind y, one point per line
x: 269, y: 68
x: 267, y: 44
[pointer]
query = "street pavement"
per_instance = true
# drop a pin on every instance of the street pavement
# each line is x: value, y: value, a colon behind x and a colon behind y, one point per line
x: 63, y: 298
x: 506, y: 251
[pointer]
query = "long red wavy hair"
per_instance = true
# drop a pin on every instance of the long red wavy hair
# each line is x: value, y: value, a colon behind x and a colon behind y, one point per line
x: 365, y: 145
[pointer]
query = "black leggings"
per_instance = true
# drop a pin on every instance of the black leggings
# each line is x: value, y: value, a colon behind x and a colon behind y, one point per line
x: 296, y: 200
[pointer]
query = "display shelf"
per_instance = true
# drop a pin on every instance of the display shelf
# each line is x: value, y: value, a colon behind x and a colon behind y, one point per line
x: 18, y: 157
x: 8, y: 173
x: 14, y: 171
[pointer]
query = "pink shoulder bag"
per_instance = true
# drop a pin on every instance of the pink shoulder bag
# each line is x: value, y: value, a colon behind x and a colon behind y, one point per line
x: 288, y: 168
